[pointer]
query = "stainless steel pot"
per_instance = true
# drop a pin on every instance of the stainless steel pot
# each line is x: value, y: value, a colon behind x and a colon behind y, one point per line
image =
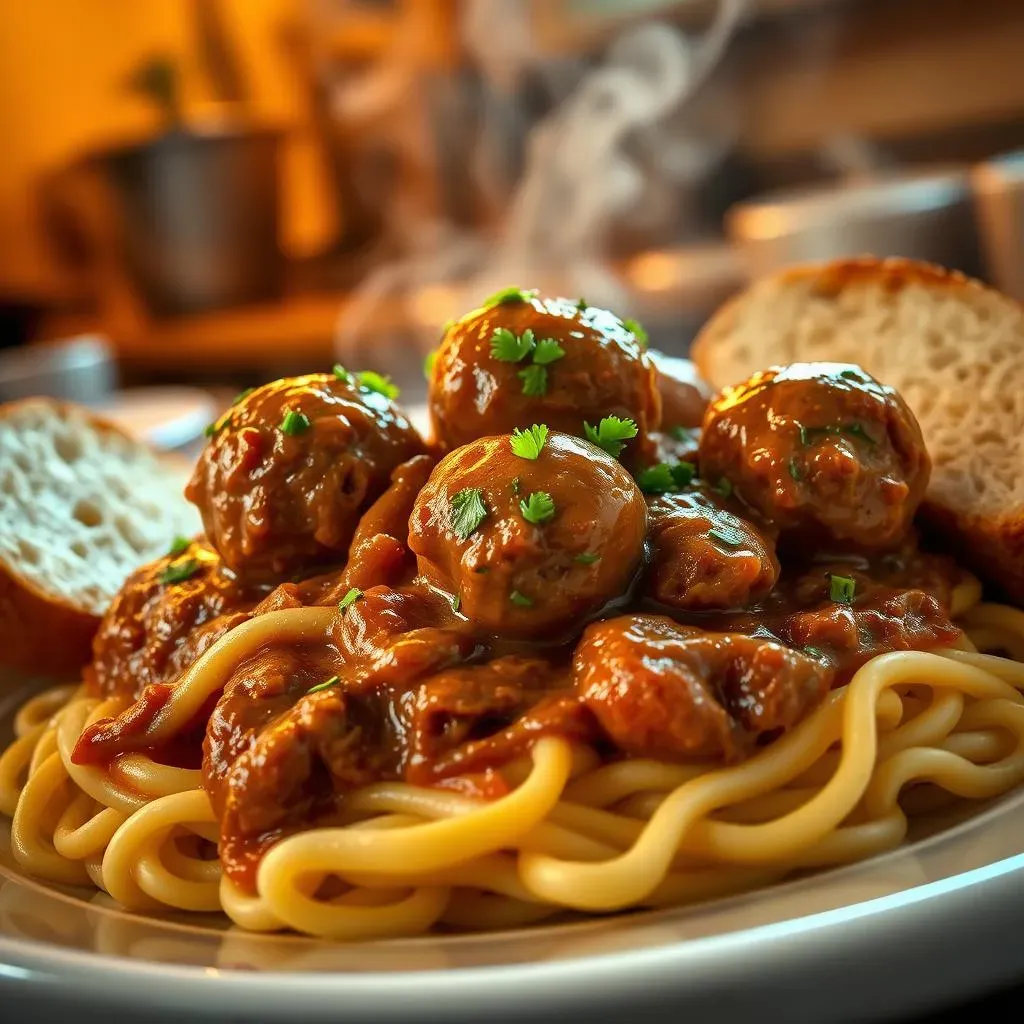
x: 999, y: 196
x: 922, y: 215
x: 198, y: 215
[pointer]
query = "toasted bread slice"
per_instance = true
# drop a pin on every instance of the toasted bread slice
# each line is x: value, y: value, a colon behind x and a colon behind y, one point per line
x: 81, y: 506
x: 951, y: 346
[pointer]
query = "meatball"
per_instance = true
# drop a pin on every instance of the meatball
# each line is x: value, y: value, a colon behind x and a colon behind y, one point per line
x: 164, y: 616
x: 684, y: 393
x: 584, y: 365
x: 531, y: 546
x: 705, y: 557
x: 819, y: 448
x: 291, y: 468
x: 672, y: 692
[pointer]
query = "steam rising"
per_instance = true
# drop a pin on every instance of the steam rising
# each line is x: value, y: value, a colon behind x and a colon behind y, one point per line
x: 578, y: 177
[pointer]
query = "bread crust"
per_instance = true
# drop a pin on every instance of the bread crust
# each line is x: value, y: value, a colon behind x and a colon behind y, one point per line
x: 41, y: 633
x: 990, y: 545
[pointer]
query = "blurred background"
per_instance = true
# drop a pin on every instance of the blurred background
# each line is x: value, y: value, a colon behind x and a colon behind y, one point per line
x: 200, y: 195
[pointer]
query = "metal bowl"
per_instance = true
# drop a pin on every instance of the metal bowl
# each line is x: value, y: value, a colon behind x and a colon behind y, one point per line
x: 922, y: 215
x: 79, y: 369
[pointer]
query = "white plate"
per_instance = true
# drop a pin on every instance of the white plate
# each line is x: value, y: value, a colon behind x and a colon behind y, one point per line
x: 934, y: 921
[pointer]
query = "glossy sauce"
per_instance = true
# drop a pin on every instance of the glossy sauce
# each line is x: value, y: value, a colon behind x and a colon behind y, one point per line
x: 695, y: 624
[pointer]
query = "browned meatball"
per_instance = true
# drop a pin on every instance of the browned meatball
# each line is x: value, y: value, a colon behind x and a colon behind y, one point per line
x: 704, y: 557
x: 163, y: 617
x: 598, y: 369
x: 662, y: 690
x: 684, y: 393
x: 292, y: 467
x: 820, y: 448
x: 532, y: 547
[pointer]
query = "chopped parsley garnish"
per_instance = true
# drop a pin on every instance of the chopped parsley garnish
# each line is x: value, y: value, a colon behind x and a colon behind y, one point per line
x: 841, y: 589
x: 724, y: 487
x: 378, y: 382
x: 582, y: 304
x: 350, y: 598
x: 538, y: 508
x: 294, y: 423
x: 535, y: 380
x: 587, y: 558
x: 611, y: 434
x: 456, y: 601
x: 468, y: 511
x: 809, y: 434
x: 851, y: 374
x: 547, y: 351
x: 482, y: 570
x: 507, y: 295
x: 637, y: 330
x: 178, y: 572
x: 730, y: 538
x: 342, y: 374
x: 688, y: 435
x: 242, y: 396
x: 428, y: 364
x: 325, y: 685
x: 528, y: 444
x: 515, y: 485
x: 794, y: 469
x: 214, y: 428
x: 665, y: 478
x: 179, y: 546
x: 511, y: 348
x: 520, y: 599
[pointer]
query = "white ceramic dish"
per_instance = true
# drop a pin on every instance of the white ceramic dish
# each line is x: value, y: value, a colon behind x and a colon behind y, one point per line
x: 935, y: 921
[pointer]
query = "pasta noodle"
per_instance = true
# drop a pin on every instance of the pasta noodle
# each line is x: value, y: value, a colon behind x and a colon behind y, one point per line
x: 571, y: 834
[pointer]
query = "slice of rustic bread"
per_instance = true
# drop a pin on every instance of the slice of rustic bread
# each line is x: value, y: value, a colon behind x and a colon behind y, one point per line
x: 81, y: 506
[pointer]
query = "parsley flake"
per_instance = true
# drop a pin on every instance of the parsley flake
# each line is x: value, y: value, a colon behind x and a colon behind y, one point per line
x: 665, y: 478
x: 841, y: 589
x: 468, y: 511
x: 538, y: 508
x: 528, y: 444
x: 637, y: 330
x: 610, y: 434
x: 350, y: 598
x: 582, y: 305
x: 587, y: 558
x: 179, y: 546
x: 428, y: 364
x: 325, y: 685
x: 808, y: 435
x: 730, y: 538
x: 456, y: 601
x: 547, y: 351
x: 520, y: 599
x: 515, y: 485
x: 687, y: 435
x: 340, y: 373
x: 508, y: 295
x: 794, y: 469
x: 294, y: 423
x: 242, y: 395
x: 509, y: 347
x: 535, y: 380
x: 178, y: 572
x: 217, y: 426
x: 724, y: 487
x: 370, y: 381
